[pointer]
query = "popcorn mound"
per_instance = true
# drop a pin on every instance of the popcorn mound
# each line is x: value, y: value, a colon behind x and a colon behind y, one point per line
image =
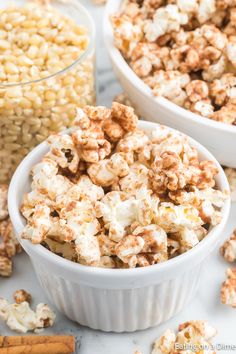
x: 184, y: 50
x: 109, y: 195
x: 9, y: 246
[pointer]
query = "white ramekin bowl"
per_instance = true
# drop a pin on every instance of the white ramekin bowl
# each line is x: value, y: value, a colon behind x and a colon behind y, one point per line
x: 219, y: 138
x: 115, y: 299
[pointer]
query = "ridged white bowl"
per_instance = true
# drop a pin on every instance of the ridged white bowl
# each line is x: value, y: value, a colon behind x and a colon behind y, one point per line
x: 115, y: 299
x: 218, y: 138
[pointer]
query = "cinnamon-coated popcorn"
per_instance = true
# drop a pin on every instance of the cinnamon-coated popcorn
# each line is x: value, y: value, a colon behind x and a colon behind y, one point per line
x: 182, y: 50
x: 21, y: 296
x: 231, y: 176
x: 9, y: 245
x: 63, y: 151
x: 3, y: 201
x: 228, y: 249
x: 19, y: 317
x: 165, y: 344
x: 149, y: 200
x: 196, y: 333
x: 5, y: 266
x: 228, y: 289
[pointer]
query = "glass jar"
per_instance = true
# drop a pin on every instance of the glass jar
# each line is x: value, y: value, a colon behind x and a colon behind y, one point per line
x: 31, y: 110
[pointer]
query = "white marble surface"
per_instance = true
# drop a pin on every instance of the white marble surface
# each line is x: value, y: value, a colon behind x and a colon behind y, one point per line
x: 206, y: 304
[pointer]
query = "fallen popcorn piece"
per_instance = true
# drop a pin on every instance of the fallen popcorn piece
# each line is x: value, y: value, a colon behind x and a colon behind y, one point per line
x: 20, y: 317
x: 5, y: 266
x: 22, y: 296
x: 228, y: 289
x: 3, y: 201
x: 228, y: 249
x: 231, y: 175
x: 165, y: 344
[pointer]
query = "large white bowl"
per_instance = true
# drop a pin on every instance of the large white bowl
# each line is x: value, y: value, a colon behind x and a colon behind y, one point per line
x: 115, y: 299
x: 219, y: 138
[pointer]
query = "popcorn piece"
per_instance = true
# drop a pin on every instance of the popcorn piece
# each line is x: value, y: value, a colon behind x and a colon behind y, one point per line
x: 105, y: 172
x: 197, y: 90
x: 126, y: 34
x: 193, y: 331
x: 21, y: 296
x: 206, y: 10
x: 226, y: 114
x: 20, y: 317
x: 3, y: 201
x: 5, y: 267
x: 173, y: 218
x: 38, y: 227
x: 170, y: 84
x: 228, y: 249
x: 117, y: 213
x: 165, y: 344
x: 134, y: 142
x: 122, y: 120
x: 10, y: 246
x: 63, y: 151
x: 63, y: 249
x: 224, y: 89
x: 228, y: 289
x: 82, y: 190
x: 45, y: 317
x: 136, y: 179
x: 128, y: 248
x: 165, y: 20
x: 91, y: 149
x: 107, y: 262
x: 155, y: 240
x: 106, y: 245
x: 231, y: 176
x: 87, y: 248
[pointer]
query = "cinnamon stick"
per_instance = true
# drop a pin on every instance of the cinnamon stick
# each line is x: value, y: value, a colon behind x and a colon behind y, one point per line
x: 37, y: 345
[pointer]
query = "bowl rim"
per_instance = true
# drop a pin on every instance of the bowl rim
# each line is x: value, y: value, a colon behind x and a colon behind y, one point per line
x: 89, y: 49
x: 112, y: 274
x: 132, y: 77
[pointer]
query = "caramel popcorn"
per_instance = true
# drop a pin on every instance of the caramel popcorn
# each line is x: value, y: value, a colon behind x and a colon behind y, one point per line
x: 228, y: 249
x: 21, y: 318
x: 228, y: 289
x: 183, y: 50
x: 149, y: 200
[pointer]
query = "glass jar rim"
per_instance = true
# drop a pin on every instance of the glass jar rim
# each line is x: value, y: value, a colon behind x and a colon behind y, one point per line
x: 88, y: 49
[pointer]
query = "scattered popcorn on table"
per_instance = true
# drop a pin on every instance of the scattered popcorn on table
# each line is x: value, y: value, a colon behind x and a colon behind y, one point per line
x: 231, y: 175
x: 228, y: 289
x: 120, y: 198
x: 184, y: 50
x: 19, y: 317
x: 9, y: 245
x: 228, y: 249
x: 198, y: 334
